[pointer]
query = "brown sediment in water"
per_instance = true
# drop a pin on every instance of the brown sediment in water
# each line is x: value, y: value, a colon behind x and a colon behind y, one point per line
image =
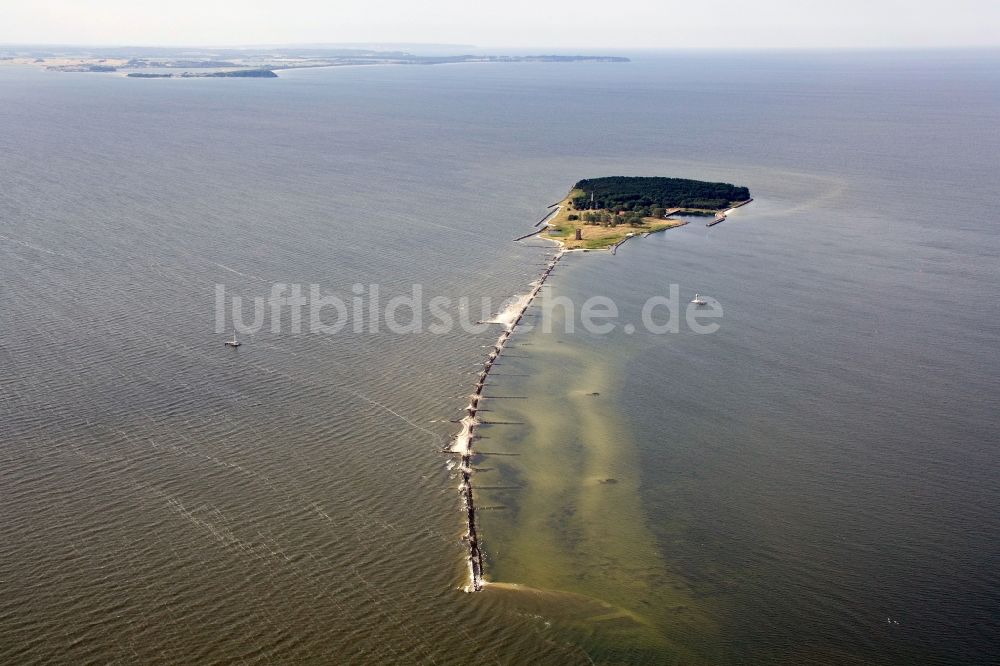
x: 463, y: 443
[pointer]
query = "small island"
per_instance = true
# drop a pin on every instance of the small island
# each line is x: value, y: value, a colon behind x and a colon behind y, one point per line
x: 603, y: 212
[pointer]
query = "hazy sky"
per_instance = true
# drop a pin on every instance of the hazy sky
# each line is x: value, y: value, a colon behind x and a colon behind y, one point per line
x: 518, y: 23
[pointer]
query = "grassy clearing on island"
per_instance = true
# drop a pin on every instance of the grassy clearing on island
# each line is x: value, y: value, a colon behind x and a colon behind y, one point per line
x: 597, y: 236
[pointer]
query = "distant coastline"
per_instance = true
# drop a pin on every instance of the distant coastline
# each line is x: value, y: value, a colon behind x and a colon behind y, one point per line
x: 151, y: 63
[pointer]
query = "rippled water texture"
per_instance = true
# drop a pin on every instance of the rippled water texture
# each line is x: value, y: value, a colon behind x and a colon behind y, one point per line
x: 814, y: 483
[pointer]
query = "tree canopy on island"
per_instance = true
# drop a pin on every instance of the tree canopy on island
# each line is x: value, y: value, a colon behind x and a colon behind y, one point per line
x: 633, y: 192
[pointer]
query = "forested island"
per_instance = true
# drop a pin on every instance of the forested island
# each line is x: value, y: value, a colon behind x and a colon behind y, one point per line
x: 602, y: 212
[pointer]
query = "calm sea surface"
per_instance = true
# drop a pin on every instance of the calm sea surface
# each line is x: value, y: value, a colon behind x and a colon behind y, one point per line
x: 817, y: 482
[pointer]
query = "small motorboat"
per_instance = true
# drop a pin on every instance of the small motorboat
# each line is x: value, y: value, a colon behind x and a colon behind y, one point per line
x: 698, y: 300
x: 234, y: 342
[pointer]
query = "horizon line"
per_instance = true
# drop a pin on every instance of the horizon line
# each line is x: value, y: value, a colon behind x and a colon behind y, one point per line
x: 372, y: 44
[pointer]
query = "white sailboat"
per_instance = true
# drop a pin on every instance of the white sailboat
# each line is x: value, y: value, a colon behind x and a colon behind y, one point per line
x: 698, y: 300
x: 234, y: 342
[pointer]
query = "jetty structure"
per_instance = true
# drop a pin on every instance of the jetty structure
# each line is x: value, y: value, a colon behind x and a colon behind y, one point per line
x: 721, y: 217
x: 462, y: 445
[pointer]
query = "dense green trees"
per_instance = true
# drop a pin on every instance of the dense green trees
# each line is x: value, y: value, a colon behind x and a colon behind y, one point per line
x: 647, y: 195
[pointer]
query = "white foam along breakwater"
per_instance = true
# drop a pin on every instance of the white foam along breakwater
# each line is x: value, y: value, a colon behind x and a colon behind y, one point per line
x: 462, y: 446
